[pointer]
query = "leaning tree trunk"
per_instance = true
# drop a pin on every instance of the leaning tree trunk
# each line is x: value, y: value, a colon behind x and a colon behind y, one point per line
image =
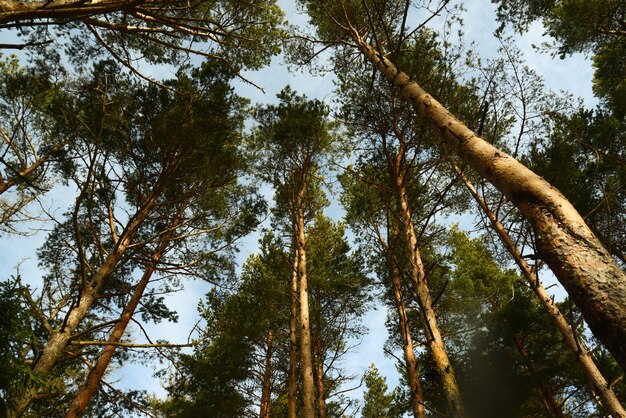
x: 431, y: 328
x: 60, y: 338
x: 84, y: 395
x: 417, y: 398
x: 591, y: 277
x: 584, y: 358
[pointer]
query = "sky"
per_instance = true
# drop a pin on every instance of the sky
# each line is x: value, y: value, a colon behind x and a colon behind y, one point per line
x: 572, y: 74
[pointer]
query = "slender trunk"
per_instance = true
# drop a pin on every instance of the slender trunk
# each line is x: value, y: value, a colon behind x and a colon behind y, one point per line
x: 584, y: 358
x: 553, y: 407
x: 306, y: 362
x: 433, y: 335
x: 267, y: 379
x: 60, y: 338
x: 587, y: 271
x: 293, y: 342
x: 417, y: 398
x: 54, y: 348
x: 84, y: 395
x: 319, y: 379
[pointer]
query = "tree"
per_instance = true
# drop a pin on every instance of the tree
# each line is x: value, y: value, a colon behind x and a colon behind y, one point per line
x: 339, y: 296
x: 592, y: 278
x: 29, y: 104
x: 394, y: 142
x: 582, y: 355
x: 293, y: 139
x: 239, y: 34
x: 377, y: 402
x: 597, y: 27
x: 182, y: 218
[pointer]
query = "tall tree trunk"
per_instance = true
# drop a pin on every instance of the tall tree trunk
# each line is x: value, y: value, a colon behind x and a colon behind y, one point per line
x: 267, y: 379
x: 418, y: 277
x: 549, y: 400
x: 433, y: 335
x: 84, y: 395
x: 417, y: 398
x: 293, y: 341
x: 60, y: 338
x: 587, y: 271
x: 306, y: 361
x: 584, y: 358
x: 319, y: 378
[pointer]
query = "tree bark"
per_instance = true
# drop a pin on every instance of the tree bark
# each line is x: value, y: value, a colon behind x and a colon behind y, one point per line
x: 59, y: 339
x: 433, y: 335
x: 306, y: 361
x: 417, y: 398
x: 587, y: 271
x: 293, y: 342
x: 319, y: 378
x: 84, y: 395
x: 267, y: 378
x: 584, y: 358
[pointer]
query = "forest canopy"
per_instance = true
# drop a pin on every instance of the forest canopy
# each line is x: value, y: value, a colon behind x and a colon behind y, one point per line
x: 415, y: 225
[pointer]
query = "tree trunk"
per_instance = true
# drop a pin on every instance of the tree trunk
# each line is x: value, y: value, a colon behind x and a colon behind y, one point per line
x: 306, y: 362
x: 418, y: 277
x: 552, y: 405
x: 84, y: 395
x: 584, y: 358
x: 417, y: 398
x: 319, y: 378
x: 11, y: 11
x: 587, y: 271
x: 267, y: 379
x: 59, y: 339
x: 293, y: 342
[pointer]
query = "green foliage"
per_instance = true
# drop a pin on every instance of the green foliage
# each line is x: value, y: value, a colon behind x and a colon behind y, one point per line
x: 16, y: 331
x: 585, y: 158
x: 242, y: 34
x: 377, y: 402
x: 593, y: 26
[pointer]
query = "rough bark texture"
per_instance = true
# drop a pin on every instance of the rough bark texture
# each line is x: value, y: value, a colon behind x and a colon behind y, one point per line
x: 417, y: 398
x: 584, y: 358
x: 293, y: 343
x: 591, y: 277
x: 552, y: 405
x: 267, y: 379
x: 306, y: 361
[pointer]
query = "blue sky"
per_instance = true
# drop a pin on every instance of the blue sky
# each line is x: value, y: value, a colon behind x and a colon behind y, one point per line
x: 572, y: 74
